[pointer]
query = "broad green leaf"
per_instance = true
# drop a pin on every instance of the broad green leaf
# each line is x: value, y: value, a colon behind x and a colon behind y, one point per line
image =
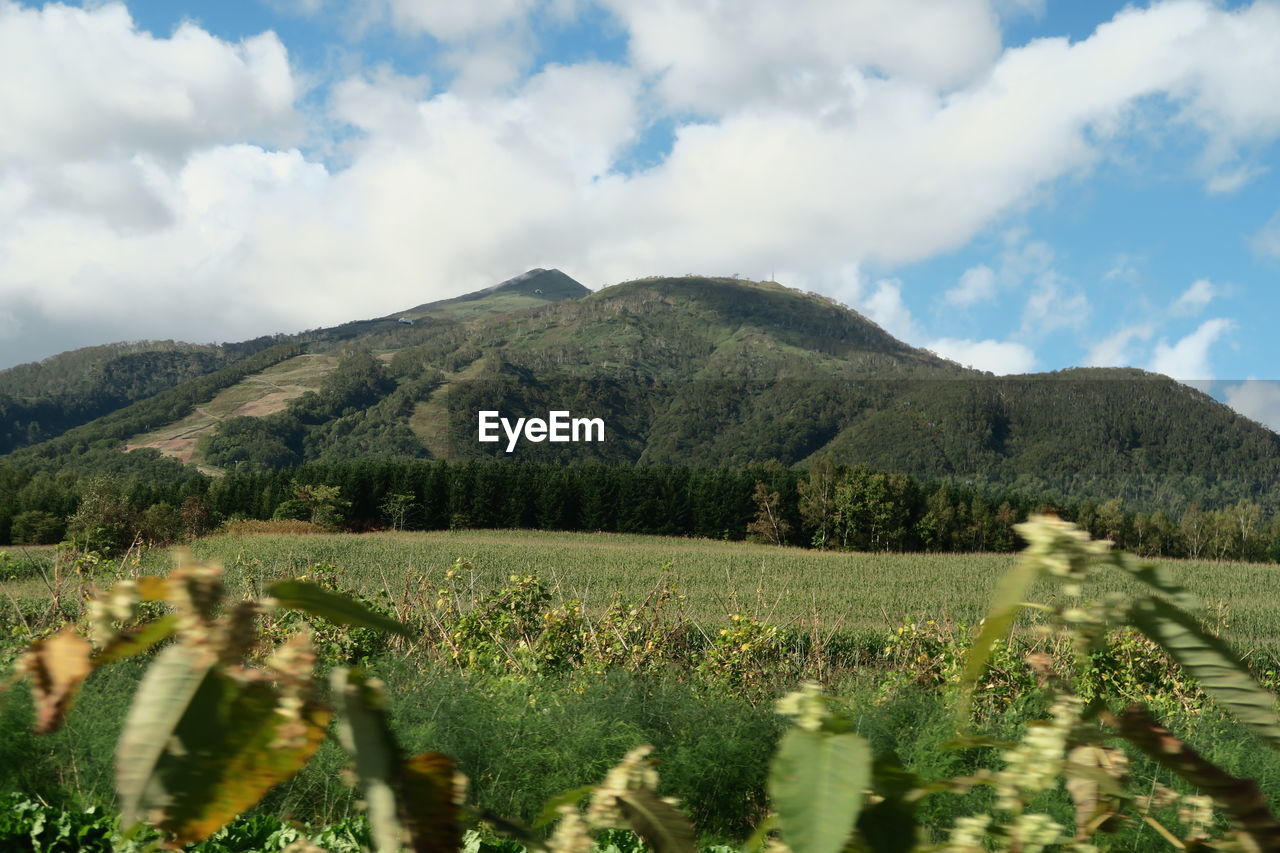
x: 229, y: 749
x: 137, y: 641
x: 816, y: 784
x: 362, y: 728
x: 159, y: 703
x: 658, y: 823
x: 430, y: 811
x: 1212, y: 663
x: 1008, y: 597
x: 339, y: 609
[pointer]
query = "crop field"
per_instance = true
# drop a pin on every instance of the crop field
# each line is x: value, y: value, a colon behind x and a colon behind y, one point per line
x: 844, y: 591
x: 531, y: 707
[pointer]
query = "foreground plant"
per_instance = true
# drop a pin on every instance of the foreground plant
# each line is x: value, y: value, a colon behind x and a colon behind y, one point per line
x: 830, y: 794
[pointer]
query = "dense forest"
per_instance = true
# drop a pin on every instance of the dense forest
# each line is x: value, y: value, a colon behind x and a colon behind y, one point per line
x: 826, y: 506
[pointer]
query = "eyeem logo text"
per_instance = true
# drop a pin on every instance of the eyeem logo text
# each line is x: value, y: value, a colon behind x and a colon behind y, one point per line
x: 558, y: 427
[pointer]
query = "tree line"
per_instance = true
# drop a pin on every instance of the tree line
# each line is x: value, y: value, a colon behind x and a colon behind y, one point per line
x: 829, y: 506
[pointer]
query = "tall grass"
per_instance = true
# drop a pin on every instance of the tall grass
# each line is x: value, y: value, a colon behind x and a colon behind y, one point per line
x: 851, y: 592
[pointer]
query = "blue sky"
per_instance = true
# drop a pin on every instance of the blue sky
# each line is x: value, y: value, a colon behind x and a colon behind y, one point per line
x: 1016, y: 184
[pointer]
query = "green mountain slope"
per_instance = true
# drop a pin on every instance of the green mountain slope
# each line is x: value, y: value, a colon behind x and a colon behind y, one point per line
x: 43, y: 399
x: 703, y: 371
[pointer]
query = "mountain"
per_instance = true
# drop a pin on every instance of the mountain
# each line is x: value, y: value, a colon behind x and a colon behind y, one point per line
x: 42, y: 400
x: 687, y: 370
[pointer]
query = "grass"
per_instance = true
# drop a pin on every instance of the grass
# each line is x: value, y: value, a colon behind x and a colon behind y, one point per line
x: 430, y: 418
x: 849, y: 592
x: 522, y: 740
x: 257, y: 395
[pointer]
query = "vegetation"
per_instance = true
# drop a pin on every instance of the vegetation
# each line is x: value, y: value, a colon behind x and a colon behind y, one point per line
x: 736, y: 373
x: 828, y: 506
x: 1080, y: 776
x: 95, y: 446
x: 43, y: 399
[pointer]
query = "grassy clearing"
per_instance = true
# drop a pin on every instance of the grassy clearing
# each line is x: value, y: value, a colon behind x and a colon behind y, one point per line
x: 857, y: 592
x: 254, y: 396
x: 430, y: 418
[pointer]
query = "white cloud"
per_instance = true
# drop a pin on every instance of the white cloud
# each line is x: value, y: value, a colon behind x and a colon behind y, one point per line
x: 1126, y: 268
x: 1010, y: 8
x: 306, y: 8
x: 1118, y: 350
x: 977, y: 284
x: 101, y: 115
x: 1232, y: 180
x: 1195, y: 298
x: 1188, y: 358
x: 138, y: 171
x: 998, y: 357
x: 87, y: 85
x: 716, y: 57
x: 886, y: 308
x: 1257, y: 399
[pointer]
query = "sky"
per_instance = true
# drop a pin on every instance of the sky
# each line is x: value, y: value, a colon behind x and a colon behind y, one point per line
x: 1018, y: 185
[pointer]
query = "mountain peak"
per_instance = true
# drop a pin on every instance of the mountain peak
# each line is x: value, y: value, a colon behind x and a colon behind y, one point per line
x: 552, y: 284
x: 533, y: 286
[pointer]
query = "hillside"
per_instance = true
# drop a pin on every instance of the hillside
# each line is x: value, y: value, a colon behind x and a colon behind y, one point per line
x: 43, y: 399
x: 692, y: 370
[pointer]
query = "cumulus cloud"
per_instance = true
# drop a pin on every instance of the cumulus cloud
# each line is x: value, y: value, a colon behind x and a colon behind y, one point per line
x: 1189, y: 357
x: 1052, y: 306
x: 713, y: 57
x: 1256, y: 399
x: 101, y: 115
x: 977, y: 284
x: 85, y: 84
x: 885, y: 306
x: 998, y: 357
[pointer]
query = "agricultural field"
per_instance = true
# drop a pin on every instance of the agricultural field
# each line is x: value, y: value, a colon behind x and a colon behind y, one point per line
x: 531, y: 703
x: 858, y: 592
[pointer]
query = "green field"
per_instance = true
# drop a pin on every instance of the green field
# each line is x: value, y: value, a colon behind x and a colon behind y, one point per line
x: 524, y: 736
x: 845, y: 591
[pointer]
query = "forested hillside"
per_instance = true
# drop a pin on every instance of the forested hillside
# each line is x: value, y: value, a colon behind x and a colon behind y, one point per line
x: 43, y: 399
x: 693, y: 370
